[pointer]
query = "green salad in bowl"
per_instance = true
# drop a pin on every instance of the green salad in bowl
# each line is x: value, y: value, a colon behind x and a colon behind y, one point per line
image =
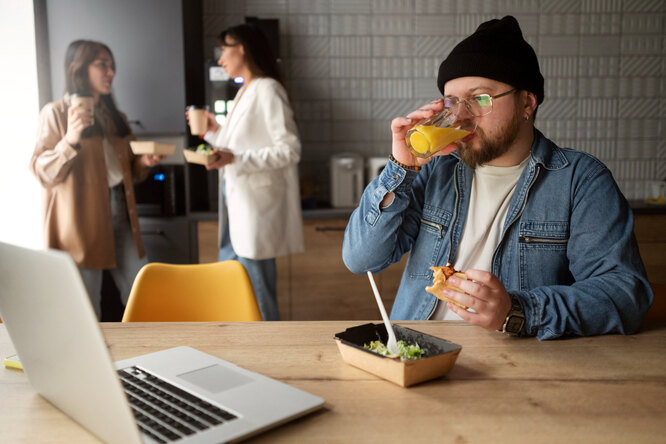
x: 406, y: 351
x: 203, y: 149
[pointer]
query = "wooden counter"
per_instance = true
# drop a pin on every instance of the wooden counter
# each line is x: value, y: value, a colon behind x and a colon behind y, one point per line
x: 609, y: 389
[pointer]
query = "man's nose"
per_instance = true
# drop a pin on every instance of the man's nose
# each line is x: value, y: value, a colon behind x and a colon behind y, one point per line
x: 463, y: 115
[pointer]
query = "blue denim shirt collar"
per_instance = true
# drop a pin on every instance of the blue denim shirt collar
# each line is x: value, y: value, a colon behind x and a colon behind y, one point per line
x: 546, y: 153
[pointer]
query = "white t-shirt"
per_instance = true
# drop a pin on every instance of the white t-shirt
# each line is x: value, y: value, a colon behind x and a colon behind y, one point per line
x: 492, y: 189
x: 114, y: 171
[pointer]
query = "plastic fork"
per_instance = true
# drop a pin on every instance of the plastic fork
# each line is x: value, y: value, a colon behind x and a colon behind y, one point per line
x: 392, y: 343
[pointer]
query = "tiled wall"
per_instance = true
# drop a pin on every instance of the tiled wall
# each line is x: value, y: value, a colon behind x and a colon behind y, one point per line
x: 353, y: 65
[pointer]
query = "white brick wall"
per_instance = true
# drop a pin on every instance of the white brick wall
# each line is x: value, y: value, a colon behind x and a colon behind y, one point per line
x: 352, y: 65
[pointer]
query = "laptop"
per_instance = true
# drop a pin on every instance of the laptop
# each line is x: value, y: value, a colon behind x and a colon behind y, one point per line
x: 179, y: 394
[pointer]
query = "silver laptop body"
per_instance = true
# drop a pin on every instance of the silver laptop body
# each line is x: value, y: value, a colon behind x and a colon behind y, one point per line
x: 52, y: 325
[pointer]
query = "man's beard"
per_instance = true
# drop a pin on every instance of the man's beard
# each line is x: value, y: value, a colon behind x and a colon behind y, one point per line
x: 490, y: 148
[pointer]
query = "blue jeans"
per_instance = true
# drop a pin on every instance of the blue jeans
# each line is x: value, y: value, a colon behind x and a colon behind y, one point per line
x: 263, y: 275
x: 128, y: 262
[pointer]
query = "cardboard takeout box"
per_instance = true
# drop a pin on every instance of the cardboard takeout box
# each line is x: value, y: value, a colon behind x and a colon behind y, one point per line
x: 200, y: 158
x: 440, y: 355
x: 148, y: 147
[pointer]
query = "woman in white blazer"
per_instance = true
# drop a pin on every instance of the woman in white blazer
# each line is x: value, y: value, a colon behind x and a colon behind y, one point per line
x: 259, y: 151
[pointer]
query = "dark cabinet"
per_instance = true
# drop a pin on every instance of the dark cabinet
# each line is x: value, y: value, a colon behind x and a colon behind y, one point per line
x: 201, y: 188
x: 651, y: 237
x: 170, y: 239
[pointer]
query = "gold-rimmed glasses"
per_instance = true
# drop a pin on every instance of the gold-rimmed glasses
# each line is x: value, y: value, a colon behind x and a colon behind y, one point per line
x: 478, y: 106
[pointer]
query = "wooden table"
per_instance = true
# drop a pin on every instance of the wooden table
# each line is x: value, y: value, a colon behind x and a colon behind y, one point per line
x: 502, y: 389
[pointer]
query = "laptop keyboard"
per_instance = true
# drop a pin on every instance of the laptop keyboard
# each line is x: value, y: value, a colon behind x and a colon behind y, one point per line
x: 165, y: 412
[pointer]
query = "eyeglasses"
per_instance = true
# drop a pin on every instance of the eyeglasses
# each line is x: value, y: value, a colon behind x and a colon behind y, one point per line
x: 478, y: 106
x: 103, y: 65
x: 218, y: 50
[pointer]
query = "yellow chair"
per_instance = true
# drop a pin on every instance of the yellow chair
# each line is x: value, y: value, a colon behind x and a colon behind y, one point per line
x: 214, y: 292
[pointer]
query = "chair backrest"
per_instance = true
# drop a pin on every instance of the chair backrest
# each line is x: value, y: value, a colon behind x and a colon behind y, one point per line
x: 214, y: 292
x: 658, y: 308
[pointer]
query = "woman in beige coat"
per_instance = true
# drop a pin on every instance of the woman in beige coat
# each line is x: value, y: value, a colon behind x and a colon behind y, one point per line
x: 259, y: 151
x: 87, y: 169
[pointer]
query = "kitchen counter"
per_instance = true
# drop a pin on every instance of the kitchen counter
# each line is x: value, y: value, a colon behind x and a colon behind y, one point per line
x: 319, y: 213
x: 328, y: 213
x: 638, y: 206
x: 643, y: 207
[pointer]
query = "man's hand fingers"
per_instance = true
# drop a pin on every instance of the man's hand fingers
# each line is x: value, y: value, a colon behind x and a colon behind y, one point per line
x: 467, y: 286
x: 484, y: 277
x: 400, y: 124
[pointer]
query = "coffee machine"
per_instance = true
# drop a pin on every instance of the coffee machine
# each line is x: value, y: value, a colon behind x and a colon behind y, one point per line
x: 162, y: 193
x: 346, y: 180
x: 375, y: 165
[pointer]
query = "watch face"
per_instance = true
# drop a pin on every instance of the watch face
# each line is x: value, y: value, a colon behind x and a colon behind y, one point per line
x: 514, y: 324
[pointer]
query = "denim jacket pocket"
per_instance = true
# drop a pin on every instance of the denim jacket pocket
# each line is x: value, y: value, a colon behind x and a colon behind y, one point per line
x: 433, y: 229
x: 543, y: 253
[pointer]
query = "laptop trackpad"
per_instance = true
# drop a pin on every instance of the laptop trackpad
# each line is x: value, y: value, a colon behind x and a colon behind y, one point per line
x: 215, y: 378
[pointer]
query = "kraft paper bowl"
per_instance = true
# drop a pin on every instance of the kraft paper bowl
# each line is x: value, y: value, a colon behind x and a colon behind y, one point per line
x: 149, y: 147
x: 440, y: 355
x: 200, y: 158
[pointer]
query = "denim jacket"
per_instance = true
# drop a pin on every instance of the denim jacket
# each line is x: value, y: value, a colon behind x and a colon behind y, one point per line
x: 567, y: 250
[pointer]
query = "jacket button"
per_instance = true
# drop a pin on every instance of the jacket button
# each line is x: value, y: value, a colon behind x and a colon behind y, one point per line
x: 396, y: 177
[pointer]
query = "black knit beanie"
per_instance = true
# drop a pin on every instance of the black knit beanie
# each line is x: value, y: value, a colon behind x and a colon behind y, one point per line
x: 498, y: 51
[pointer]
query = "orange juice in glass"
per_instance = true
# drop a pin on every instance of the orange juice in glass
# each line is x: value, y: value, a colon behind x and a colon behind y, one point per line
x: 433, y: 134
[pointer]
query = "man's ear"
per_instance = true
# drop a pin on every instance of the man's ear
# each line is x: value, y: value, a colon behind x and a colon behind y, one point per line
x: 530, y: 100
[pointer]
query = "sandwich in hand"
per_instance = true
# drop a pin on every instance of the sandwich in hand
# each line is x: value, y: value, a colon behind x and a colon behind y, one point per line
x: 440, y: 276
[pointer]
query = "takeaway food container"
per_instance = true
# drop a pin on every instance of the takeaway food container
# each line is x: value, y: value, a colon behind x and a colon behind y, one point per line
x: 440, y: 355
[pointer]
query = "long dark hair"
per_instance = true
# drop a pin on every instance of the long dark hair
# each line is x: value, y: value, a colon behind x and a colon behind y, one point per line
x: 258, y: 51
x: 79, y: 55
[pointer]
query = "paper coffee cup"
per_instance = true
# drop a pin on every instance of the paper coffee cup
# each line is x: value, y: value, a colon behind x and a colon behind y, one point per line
x: 198, y: 119
x: 85, y: 102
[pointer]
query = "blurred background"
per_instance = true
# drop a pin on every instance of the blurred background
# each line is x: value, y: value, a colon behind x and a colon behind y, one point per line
x: 350, y: 66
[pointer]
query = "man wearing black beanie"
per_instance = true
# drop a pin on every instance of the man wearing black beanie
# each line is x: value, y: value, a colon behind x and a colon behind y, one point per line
x: 498, y: 51
x: 543, y: 234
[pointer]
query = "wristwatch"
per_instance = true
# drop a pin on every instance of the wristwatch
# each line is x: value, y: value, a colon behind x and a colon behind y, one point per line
x: 515, y: 320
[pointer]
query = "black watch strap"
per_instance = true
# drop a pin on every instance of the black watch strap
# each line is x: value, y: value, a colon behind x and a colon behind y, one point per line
x: 515, y: 320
